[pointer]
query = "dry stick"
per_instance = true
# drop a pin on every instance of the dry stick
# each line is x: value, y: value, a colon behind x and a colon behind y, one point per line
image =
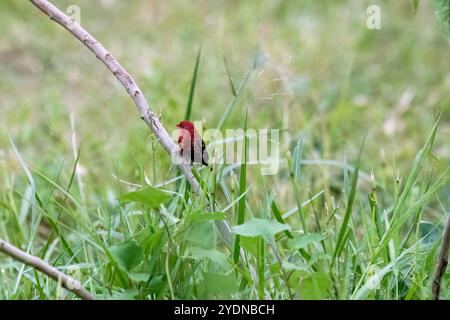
x: 442, y: 261
x: 37, y: 263
x: 147, y: 115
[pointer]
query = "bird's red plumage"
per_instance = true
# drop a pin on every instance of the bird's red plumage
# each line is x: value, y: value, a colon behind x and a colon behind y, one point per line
x: 195, y: 150
x: 189, y: 126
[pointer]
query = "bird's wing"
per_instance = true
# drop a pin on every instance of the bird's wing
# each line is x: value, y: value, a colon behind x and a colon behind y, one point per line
x: 200, y: 154
x: 205, y: 154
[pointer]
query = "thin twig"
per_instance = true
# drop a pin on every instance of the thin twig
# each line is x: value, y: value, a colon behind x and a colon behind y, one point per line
x: 37, y: 263
x: 442, y: 261
x: 146, y: 113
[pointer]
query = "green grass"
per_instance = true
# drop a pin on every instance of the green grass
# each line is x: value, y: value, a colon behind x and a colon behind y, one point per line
x: 343, y: 218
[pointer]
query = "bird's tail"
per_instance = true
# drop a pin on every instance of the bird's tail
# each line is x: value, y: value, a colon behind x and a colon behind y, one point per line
x: 206, y: 164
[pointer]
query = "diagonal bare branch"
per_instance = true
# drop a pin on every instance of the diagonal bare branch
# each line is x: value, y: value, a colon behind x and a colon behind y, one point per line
x: 146, y: 113
x: 39, y: 264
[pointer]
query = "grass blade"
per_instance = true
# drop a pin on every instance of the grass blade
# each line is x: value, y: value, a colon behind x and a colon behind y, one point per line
x: 279, y: 218
x: 233, y: 101
x: 193, y: 82
x: 342, y: 232
x: 242, y: 188
x: 230, y: 77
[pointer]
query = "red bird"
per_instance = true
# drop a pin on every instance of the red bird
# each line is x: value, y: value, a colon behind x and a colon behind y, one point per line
x: 192, y: 146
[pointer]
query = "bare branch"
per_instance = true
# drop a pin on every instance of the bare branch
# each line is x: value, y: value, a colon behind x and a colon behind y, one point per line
x: 149, y: 117
x: 123, y: 76
x: 37, y: 263
x: 442, y: 261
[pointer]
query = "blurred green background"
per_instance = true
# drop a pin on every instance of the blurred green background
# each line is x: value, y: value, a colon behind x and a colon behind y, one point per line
x: 326, y: 76
x: 322, y: 75
x: 334, y: 77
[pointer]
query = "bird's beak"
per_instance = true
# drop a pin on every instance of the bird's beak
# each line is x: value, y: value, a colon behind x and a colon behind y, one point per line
x: 178, y: 125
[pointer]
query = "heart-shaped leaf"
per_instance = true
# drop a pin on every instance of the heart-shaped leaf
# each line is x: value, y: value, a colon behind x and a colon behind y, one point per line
x: 127, y: 255
x: 304, y: 240
x: 213, y: 255
x: 222, y: 284
x: 151, y: 197
x: 315, y: 287
x: 260, y: 227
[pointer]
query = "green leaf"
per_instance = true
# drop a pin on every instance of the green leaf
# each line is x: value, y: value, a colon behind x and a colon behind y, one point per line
x: 234, y: 100
x: 415, y: 5
x: 348, y: 212
x: 129, y: 294
x: 297, y: 159
x: 250, y: 245
x: 289, y: 266
x: 215, y: 256
x: 220, y: 283
x: 402, y: 213
x: 315, y: 287
x: 139, y: 277
x: 149, y: 240
x: 149, y: 196
x: 303, y: 240
x: 202, y: 234
x: 127, y: 255
x: 230, y: 77
x: 260, y: 227
x: 242, y: 192
x: 193, y: 82
x: 279, y: 218
x: 205, y: 216
x: 157, y: 284
x: 442, y: 15
x: 316, y: 256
